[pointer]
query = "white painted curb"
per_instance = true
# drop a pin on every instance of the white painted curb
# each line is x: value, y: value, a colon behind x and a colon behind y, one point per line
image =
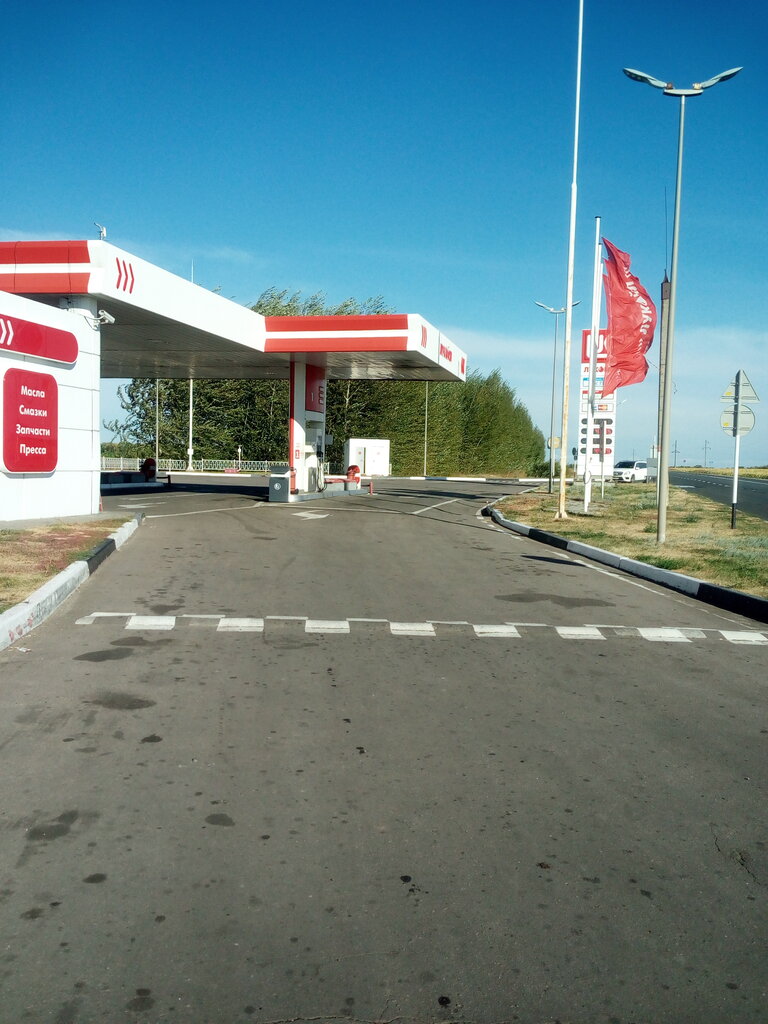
x: 22, y: 618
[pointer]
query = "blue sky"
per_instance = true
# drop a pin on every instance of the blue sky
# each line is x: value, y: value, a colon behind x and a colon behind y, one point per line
x: 417, y: 150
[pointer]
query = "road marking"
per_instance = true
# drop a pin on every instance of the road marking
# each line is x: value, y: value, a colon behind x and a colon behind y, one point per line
x: 326, y: 626
x: 579, y: 633
x: 431, y: 629
x: 664, y: 633
x: 412, y: 629
x: 206, y: 511
x: 240, y: 626
x: 151, y: 622
x: 510, y: 632
x: 150, y: 504
x: 737, y: 636
x: 430, y: 507
x: 311, y: 515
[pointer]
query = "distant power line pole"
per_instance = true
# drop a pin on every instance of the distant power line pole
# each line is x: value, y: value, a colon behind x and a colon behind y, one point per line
x: 707, y: 446
x: 675, y: 453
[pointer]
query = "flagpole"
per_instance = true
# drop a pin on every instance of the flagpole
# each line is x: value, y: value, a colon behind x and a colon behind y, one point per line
x: 561, y: 513
x: 594, y: 343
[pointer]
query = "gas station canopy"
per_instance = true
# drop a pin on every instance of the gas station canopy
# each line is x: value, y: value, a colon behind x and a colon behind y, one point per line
x: 167, y: 327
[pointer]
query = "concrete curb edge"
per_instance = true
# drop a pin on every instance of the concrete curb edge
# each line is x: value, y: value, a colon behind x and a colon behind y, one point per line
x: 22, y: 618
x: 722, y: 597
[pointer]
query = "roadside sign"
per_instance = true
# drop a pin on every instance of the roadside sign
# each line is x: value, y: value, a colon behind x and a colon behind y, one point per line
x: 746, y: 392
x: 746, y: 420
x: 736, y: 421
x: 553, y: 442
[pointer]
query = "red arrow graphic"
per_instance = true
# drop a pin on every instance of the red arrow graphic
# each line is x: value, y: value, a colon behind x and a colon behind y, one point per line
x: 119, y: 273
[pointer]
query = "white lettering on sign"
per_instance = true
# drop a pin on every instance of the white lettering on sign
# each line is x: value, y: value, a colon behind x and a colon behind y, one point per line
x: 32, y: 392
x: 25, y: 449
x: 33, y: 431
x: 446, y: 353
x: 25, y: 410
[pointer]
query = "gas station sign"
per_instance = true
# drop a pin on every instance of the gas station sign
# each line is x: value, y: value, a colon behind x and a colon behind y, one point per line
x: 314, y: 399
x: 30, y: 422
x: 23, y: 337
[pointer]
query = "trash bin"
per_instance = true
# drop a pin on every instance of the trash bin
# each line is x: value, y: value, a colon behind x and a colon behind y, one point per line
x: 280, y: 484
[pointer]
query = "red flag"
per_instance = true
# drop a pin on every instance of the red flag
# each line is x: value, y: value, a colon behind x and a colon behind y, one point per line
x: 631, y: 322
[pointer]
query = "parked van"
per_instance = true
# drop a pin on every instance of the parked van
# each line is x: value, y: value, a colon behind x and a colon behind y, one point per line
x: 628, y: 472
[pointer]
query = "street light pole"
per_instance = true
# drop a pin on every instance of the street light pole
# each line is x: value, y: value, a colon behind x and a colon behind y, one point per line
x: 557, y: 313
x: 561, y: 513
x: 663, y: 465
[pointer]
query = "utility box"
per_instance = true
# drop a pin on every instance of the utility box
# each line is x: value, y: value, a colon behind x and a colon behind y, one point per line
x: 280, y: 484
x: 371, y: 454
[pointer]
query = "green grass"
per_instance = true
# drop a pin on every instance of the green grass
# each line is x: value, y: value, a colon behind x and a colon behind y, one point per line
x: 699, y: 541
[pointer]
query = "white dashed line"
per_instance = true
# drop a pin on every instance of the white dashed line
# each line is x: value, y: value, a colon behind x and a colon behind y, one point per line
x: 736, y: 636
x: 664, y: 634
x: 579, y: 633
x: 431, y: 629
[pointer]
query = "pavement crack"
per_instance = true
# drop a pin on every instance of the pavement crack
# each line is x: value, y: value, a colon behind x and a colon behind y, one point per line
x: 740, y: 857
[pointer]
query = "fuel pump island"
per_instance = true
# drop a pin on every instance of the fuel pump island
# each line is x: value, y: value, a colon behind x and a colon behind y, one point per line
x: 75, y: 312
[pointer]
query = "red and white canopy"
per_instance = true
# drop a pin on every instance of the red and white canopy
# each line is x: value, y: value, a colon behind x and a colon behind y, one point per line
x: 166, y: 326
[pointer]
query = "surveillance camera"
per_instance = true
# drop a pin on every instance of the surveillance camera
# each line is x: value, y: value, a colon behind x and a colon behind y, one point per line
x: 105, y: 317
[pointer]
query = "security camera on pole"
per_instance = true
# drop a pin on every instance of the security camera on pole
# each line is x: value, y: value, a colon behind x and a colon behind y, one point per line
x: 738, y: 420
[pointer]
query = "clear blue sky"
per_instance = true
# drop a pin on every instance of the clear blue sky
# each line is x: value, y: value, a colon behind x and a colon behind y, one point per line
x: 419, y: 151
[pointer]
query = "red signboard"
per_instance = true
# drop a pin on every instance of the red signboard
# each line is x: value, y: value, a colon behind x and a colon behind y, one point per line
x: 30, y: 339
x: 315, y: 389
x: 30, y: 422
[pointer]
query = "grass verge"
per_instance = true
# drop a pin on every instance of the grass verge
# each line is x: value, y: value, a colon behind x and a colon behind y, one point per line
x: 699, y: 540
x: 30, y: 557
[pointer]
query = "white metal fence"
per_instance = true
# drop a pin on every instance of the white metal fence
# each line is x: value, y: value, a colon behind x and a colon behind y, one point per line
x: 198, y: 465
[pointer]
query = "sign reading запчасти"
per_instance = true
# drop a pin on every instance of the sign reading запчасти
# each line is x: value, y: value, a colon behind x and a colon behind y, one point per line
x: 30, y: 422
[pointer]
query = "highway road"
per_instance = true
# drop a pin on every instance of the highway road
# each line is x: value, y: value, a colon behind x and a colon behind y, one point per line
x: 752, y: 494
x: 377, y: 759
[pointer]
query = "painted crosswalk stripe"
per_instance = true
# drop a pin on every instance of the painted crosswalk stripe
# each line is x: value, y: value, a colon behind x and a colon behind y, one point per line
x: 326, y: 626
x: 579, y: 633
x: 151, y: 622
x: 737, y: 636
x: 282, y: 625
x: 500, y: 631
x: 240, y: 626
x: 663, y: 634
x: 412, y: 629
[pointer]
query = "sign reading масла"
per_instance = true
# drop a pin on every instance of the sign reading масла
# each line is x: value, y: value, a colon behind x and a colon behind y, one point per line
x: 30, y: 422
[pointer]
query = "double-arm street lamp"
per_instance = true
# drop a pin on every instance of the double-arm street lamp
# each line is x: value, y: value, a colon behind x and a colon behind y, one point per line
x: 558, y: 313
x: 663, y: 466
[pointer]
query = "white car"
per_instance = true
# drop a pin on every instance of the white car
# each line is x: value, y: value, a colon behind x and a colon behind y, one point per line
x: 629, y: 471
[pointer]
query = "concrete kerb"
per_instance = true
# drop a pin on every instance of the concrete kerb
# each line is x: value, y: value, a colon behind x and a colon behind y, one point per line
x: 16, y: 622
x: 722, y: 597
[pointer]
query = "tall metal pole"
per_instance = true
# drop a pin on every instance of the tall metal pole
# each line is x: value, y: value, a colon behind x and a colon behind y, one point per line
x: 426, y: 420
x: 669, y: 90
x: 662, y: 371
x: 190, y: 449
x: 663, y: 470
x: 595, y: 338
x: 157, y: 423
x: 737, y: 436
x: 561, y: 513
x: 552, y: 411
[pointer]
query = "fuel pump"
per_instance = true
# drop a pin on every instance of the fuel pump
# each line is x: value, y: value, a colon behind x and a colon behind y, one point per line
x: 314, y: 454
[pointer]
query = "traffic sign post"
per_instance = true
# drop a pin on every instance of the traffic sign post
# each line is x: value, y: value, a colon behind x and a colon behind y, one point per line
x: 738, y: 420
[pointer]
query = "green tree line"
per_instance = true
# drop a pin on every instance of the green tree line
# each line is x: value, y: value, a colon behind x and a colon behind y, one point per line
x: 478, y: 427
